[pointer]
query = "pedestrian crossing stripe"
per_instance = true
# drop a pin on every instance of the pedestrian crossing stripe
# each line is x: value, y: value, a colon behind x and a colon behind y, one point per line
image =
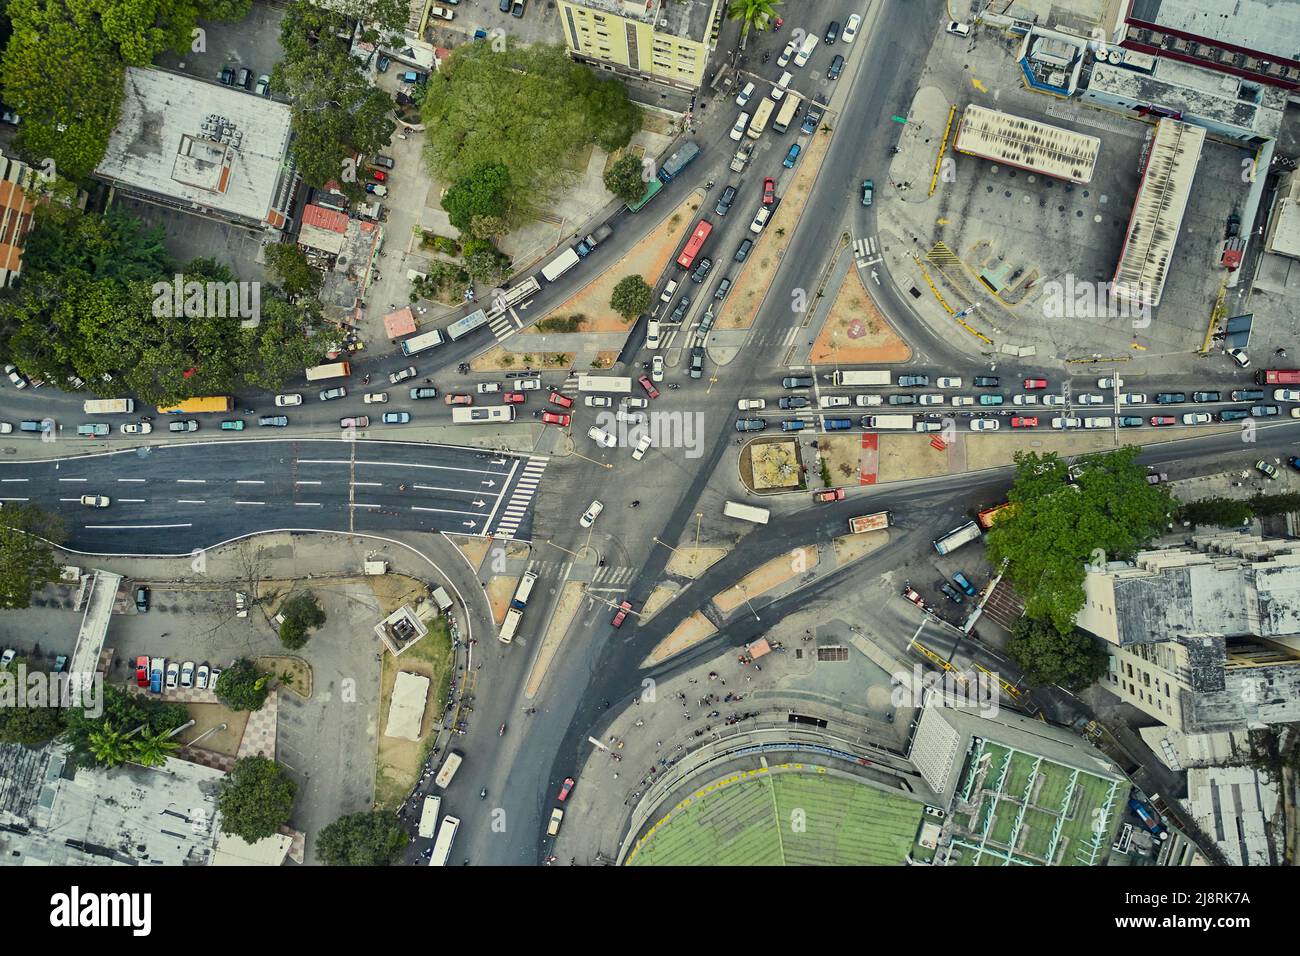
x: 866, y: 251
x: 521, y: 497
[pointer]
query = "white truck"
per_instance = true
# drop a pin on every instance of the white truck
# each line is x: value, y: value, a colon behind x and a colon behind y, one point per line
x: 741, y: 159
x: 888, y: 422
x: 108, y: 406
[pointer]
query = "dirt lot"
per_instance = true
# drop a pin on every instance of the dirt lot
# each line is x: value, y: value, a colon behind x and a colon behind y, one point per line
x: 765, y: 577
x: 851, y: 547
x: 497, y: 359
x: 909, y: 456
x: 684, y: 636
x: 208, y: 716
x: 499, y: 591
x: 691, y: 562
x: 292, y: 673
x: 474, y: 549
x: 855, y: 331
x: 842, y: 454
x: 771, y: 464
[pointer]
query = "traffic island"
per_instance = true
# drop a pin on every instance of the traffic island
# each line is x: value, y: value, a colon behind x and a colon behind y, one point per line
x: 855, y: 331
x: 693, y: 561
x: 566, y: 609
x: 696, y: 629
x: 772, y: 465
x: 767, y: 577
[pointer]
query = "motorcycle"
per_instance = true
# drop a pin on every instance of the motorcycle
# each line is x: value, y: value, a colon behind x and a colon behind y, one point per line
x: 502, y: 731
x: 482, y: 794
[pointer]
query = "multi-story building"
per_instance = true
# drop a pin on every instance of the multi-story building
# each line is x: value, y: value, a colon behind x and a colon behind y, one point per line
x: 16, y: 210
x: 661, y: 41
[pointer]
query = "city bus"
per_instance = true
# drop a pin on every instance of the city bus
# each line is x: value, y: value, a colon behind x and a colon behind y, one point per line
x: 462, y: 327
x: 604, y: 383
x: 483, y: 415
x: 503, y: 299
x: 429, y: 816
x: 861, y: 377
x: 446, y: 837
x: 418, y: 343
x: 785, y: 116
x: 520, y: 600
x: 761, y: 115
x: 734, y: 509
x: 651, y: 190
x: 954, y: 539
x: 510, y: 626
x: 108, y: 406
x: 332, y: 370
x: 990, y: 515
x: 449, y: 768
x: 199, y: 406
x: 561, y: 264
x: 694, y: 244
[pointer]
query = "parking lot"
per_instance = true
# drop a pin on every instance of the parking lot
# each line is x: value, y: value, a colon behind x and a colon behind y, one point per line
x: 253, y: 43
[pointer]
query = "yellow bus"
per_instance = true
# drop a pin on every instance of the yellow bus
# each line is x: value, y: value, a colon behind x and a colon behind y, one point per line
x: 198, y: 406
x: 759, y: 122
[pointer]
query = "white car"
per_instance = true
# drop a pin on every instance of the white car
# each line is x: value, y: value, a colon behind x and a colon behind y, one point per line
x: 742, y: 121
x: 599, y: 401
x: 1054, y: 400
x: 1239, y: 356
x: 7, y: 428
x: 95, y: 501
x: 7, y: 657
x: 287, y: 401
x: 946, y: 381
x: 983, y: 424
x: 15, y: 376
x: 760, y: 220
x: 960, y: 400
x: 930, y: 399
x: 1197, y: 418
x: 201, y: 678
x: 376, y: 398
x: 1132, y: 398
x: 1024, y: 399
x: 1286, y: 394
x: 1088, y: 399
x: 1066, y: 423
x: 652, y: 339
x: 528, y: 384
x: 631, y: 402
x: 1110, y: 383
x: 591, y: 514
x: 401, y: 375
x: 806, y: 50
x: 657, y: 369
x: 833, y: 401
x: 485, y: 388
x: 641, y: 448
x: 851, y: 28
x: 187, y: 674
x: 1098, y: 423
x: 784, y: 59
x: 743, y: 96
x: 865, y: 401
x: 957, y: 28
x: 669, y: 291
x: 751, y: 405
x: 137, y: 428
x: 782, y: 85
x: 632, y: 418
x: 601, y: 437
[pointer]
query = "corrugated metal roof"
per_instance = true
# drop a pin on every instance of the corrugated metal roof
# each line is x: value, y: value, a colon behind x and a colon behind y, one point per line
x: 323, y: 218
x: 1027, y: 144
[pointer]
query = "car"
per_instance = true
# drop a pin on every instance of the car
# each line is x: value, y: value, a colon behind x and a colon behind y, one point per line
x: 1056, y: 400
x: 723, y: 288
x: 645, y: 383
x: 591, y: 514
x: 188, y: 425
x: 642, y: 446
x: 950, y: 592
x: 622, y: 613
x: 868, y: 191
x: 831, y: 494
x: 652, y: 336
x: 784, y: 59
x: 657, y: 369
x: 355, y: 421
x: 1286, y: 395
x: 202, y: 676
x: 427, y: 391
x: 287, y: 401
x: 812, y: 115
x: 7, y: 657
x: 834, y: 401
x: 457, y: 399
x: 913, y: 381
x: 1131, y: 421
x: 1263, y: 411
x: 555, y: 418
x: 156, y: 675
x: 94, y: 430
x: 142, y: 599
x: 742, y: 251
x: 504, y: 6
x: 1197, y: 418
x: 329, y: 394
x: 401, y: 375
x: 15, y: 376
x: 797, y: 381
x: 836, y: 68
x: 632, y: 402
x: 599, y: 401
x: 1205, y: 396
x: 264, y: 84
x: 1024, y: 399
x: 1020, y: 421
x: 232, y: 425
x: 769, y: 191
x: 565, y: 789
x: 702, y: 270
x: 31, y: 425
x: 990, y: 399
x: 438, y: 10
x: 142, y: 671
x: 137, y: 428
x: 1099, y: 422
x: 95, y: 501
x: 1231, y: 415
x: 1133, y: 398
x: 930, y: 399
x: 273, y: 421
x: 601, y: 437
x: 1110, y: 383
x: 517, y: 8
x: 10, y: 117
x: 187, y: 674
x: 1089, y: 399
x: 962, y: 582
x: 725, y: 200
x: 793, y: 401
x: 781, y: 85
x: 1267, y: 468
x: 743, y: 96
x: 383, y: 63
x: 742, y: 121
x: 1069, y: 422
x: 1240, y: 357
x: 832, y: 33
x: 529, y: 384
x: 513, y: 398
x: 760, y: 219
x: 1244, y: 394
x: 227, y: 76
x: 901, y: 399
x: 396, y: 418
x: 792, y: 156
x: 173, y: 674
x: 851, y: 28
x: 1173, y: 398
x: 961, y: 400
x: 1294, y: 462
x: 245, y: 77
x: 487, y: 388
x: 986, y: 381
x: 214, y: 677
x: 563, y: 401
x: 376, y: 398
x: 957, y: 28
x: 377, y: 189
x: 1161, y: 420
x: 983, y: 424
x: 750, y: 424
x: 697, y: 361
x: 669, y: 289
x: 679, y: 313
x: 1035, y: 383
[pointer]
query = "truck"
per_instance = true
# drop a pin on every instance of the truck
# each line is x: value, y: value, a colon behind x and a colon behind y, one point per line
x: 888, y: 422
x: 759, y: 123
x: 503, y: 299
x: 679, y: 160
x: 990, y: 515
x: 418, y: 343
x: 651, y: 190
x: 734, y: 509
x: 863, y: 523
x: 463, y: 327
x: 741, y: 159
x: 592, y: 240
x: 442, y: 599
x: 615, y: 384
x: 561, y: 264
x: 954, y: 539
x: 108, y: 406
x: 861, y: 377
x: 199, y: 406
x: 332, y: 370
x: 1278, y: 376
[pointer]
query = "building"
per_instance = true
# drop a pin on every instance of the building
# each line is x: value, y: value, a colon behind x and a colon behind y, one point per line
x: 1027, y: 144
x: 1234, y: 807
x: 660, y: 41
x: 1204, y: 636
x: 1283, y: 236
x: 16, y: 217
x: 203, y: 148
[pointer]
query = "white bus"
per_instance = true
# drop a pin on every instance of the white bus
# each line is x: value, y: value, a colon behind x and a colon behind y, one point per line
x: 483, y: 415
x: 734, y: 509
x: 510, y: 626
x: 429, y: 816
x: 462, y: 327
x: 108, y: 406
x: 503, y: 299
x: 332, y: 370
x: 785, y: 116
x: 561, y: 264
x: 418, y: 343
x: 446, y: 837
x: 448, y: 769
x: 862, y: 377
x: 954, y: 539
x: 524, y: 590
x: 761, y: 116
x: 604, y: 383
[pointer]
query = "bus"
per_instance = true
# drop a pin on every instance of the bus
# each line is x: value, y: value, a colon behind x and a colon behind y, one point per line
x: 520, y: 600
x: 418, y: 343
x: 109, y: 406
x: 651, y: 190
x: 561, y: 264
x: 503, y: 299
x: 333, y: 370
x: 446, y: 837
x: 1278, y: 376
x: 429, y: 816
x: 604, y: 383
x: 462, y: 327
x: 990, y: 515
x: 694, y: 244
x: 861, y: 377
x: 955, y: 538
x: 483, y: 415
x: 510, y: 626
x: 785, y: 116
x: 449, y: 768
x: 761, y: 115
x: 199, y: 406
x: 734, y: 509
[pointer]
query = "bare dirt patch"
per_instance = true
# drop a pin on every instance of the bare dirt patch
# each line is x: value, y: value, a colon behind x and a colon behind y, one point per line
x: 565, y: 609
x: 498, y: 359
x: 657, y: 600
x: 842, y: 454
x: 691, y: 562
x: 772, y: 464
x: 499, y: 591
x: 394, y: 590
x: 207, y: 717
x: 684, y: 636
x: 851, y: 547
x: 474, y: 549
x: 766, y: 576
x: 909, y: 456
x: 856, y: 331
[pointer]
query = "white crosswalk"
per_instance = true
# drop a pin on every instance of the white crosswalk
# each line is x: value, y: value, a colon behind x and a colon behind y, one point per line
x: 866, y: 251
x: 570, y: 383
x: 520, y: 498
x: 505, y: 325
x: 605, y: 578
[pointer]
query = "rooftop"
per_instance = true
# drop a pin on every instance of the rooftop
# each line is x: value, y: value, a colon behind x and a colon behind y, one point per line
x: 688, y: 20
x: 1269, y: 27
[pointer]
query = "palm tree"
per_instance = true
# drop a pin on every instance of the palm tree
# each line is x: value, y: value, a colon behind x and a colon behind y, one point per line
x: 756, y: 14
x: 109, y: 746
x: 152, y: 750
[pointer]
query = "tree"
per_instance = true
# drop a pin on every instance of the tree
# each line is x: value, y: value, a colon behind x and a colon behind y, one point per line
x: 131, y: 728
x: 27, y: 561
x: 1056, y: 527
x: 753, y: 14
x: 361, y: 839
x: 29, y: 726
x: 1223, y: 512
x: 302, y: 613
x: 1073, y: 660
x: 256, y: 799
x: 482, y: 192
x: 442, y: 283
x: 631, y: 297
x: 488, y: 264
x: 242, y: 686
x: 153, y: 749
x: 288, y: 264
x: 626, y: 178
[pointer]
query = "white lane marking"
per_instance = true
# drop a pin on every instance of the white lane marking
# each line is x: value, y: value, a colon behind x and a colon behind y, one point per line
x: 14, y: 479
x: 249, y: 481
x: 131, y: 501
x: 190, y: 501
x: 74, y: 479
x: 366, y: 484
x: 15, y: 499
x: 191, y: 481
x: 447, y: 511
x: 238, y: 502
x: 398, y: 464
x: 306, y: 504
x: 301, y: 481
x: 465, y: 491
x: 133, y: 527
x: 69, y: 499
x: 139, y: 481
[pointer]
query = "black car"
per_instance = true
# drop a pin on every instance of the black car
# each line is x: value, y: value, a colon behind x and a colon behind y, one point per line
x: 504, y: 6
x: 1205, y: 396
x: 836, y: 68
x: 725, y: 200
x: 1294, y: 462
x: 683, y: 304
x: 914, y: 381
x: 832, y: 33
x: 986, y: 381
x: 1246, y: 394
x: 797, y: 381
x: 950, y: 592
x: 723, y: 288
x: 227, y: 76
x: 743, y: 251
x: 697, y: 361
x: 750, y: 424
x: 901, y: 399
x: 1173, y: 398
x: 793, y: 401
x: 1232, y: 415
x: 702, y: 270
x: 517, y: 8
x: 1264, y: 411
x: 142, y: 599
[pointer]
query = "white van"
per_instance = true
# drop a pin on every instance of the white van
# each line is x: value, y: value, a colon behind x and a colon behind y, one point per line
x: 805, y: 51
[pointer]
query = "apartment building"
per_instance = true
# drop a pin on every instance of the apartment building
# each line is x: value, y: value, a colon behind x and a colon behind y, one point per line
x: 16, y: 211
x: 659, y: 41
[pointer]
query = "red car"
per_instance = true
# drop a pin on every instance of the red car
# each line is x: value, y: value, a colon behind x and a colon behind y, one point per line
x: 1018, y: 421
x: 378, y: 175
x: 649, y: 386
x: 833, y: 494
x: 513, y: 398
x: 1033, y: 383
x: 562, y: 400
x: 1163, y: 420
x: 566, y: 789
x: 769, y: 191
x: 142, y: 671
x: 622, y: 613
x: 555, y: 418
x: 458, y: 399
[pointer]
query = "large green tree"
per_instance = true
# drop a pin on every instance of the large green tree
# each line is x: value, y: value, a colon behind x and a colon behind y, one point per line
x: 27, y: 561
x: 132, y: 728
x: 242, y: 686
x: 1045, y: 655
x: 288, y: 264
x: 483, y: 191
x: 302, y: 614
x: 256, y: 799
x: 752, y: 14
x: 630, y: 297
x: 1057, y: 527
x: 625, y: 178
x: 29, y: 726
x: 361, y: 839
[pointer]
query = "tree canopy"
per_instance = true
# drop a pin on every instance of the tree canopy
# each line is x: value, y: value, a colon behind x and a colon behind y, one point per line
x: 256, y: 799
x: 242, y: 686
x: 1045, y: 655
x: 132, y: 728
x: 361, y: 839
x: 625, y: 178
x: 630, y: 297
x: 27, y: 561
x: 302, y: 613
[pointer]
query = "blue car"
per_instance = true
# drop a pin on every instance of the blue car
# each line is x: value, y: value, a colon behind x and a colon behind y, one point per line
x: 155, y: 681
x: 964, y: 583
x: 794, y: 425
x: 791, y: 156
x: 837, y: 424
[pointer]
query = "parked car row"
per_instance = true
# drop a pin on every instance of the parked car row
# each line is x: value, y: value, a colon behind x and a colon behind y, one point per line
x: 158, y: 672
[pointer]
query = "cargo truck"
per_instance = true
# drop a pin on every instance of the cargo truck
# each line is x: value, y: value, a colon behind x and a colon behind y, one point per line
x: 678, y: 160
x: 861, y: 377
x: 561, y: 264
x: 954, y: 539
x: 592, y: 240
x: 863, y: 523
x: 1278, y: 376
x: 739, y: 161
x: 888, y: 422
x: 108, y: 406
x: 332, y: 370
x: 199, y: 406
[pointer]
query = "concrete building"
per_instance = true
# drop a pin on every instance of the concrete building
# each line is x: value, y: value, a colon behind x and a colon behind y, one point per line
x: 660, y: 41
x: 1233, y: 805
x: 202, y: 147
x: 1283, y: 236
x: 1205, y: 636
x: 16, y: 217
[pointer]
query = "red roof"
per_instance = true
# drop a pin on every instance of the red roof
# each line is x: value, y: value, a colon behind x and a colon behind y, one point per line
x: 323, y: 218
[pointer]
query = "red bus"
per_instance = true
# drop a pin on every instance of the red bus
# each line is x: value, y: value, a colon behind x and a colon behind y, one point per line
x: 694, y: 244
x: 1278, y: 376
